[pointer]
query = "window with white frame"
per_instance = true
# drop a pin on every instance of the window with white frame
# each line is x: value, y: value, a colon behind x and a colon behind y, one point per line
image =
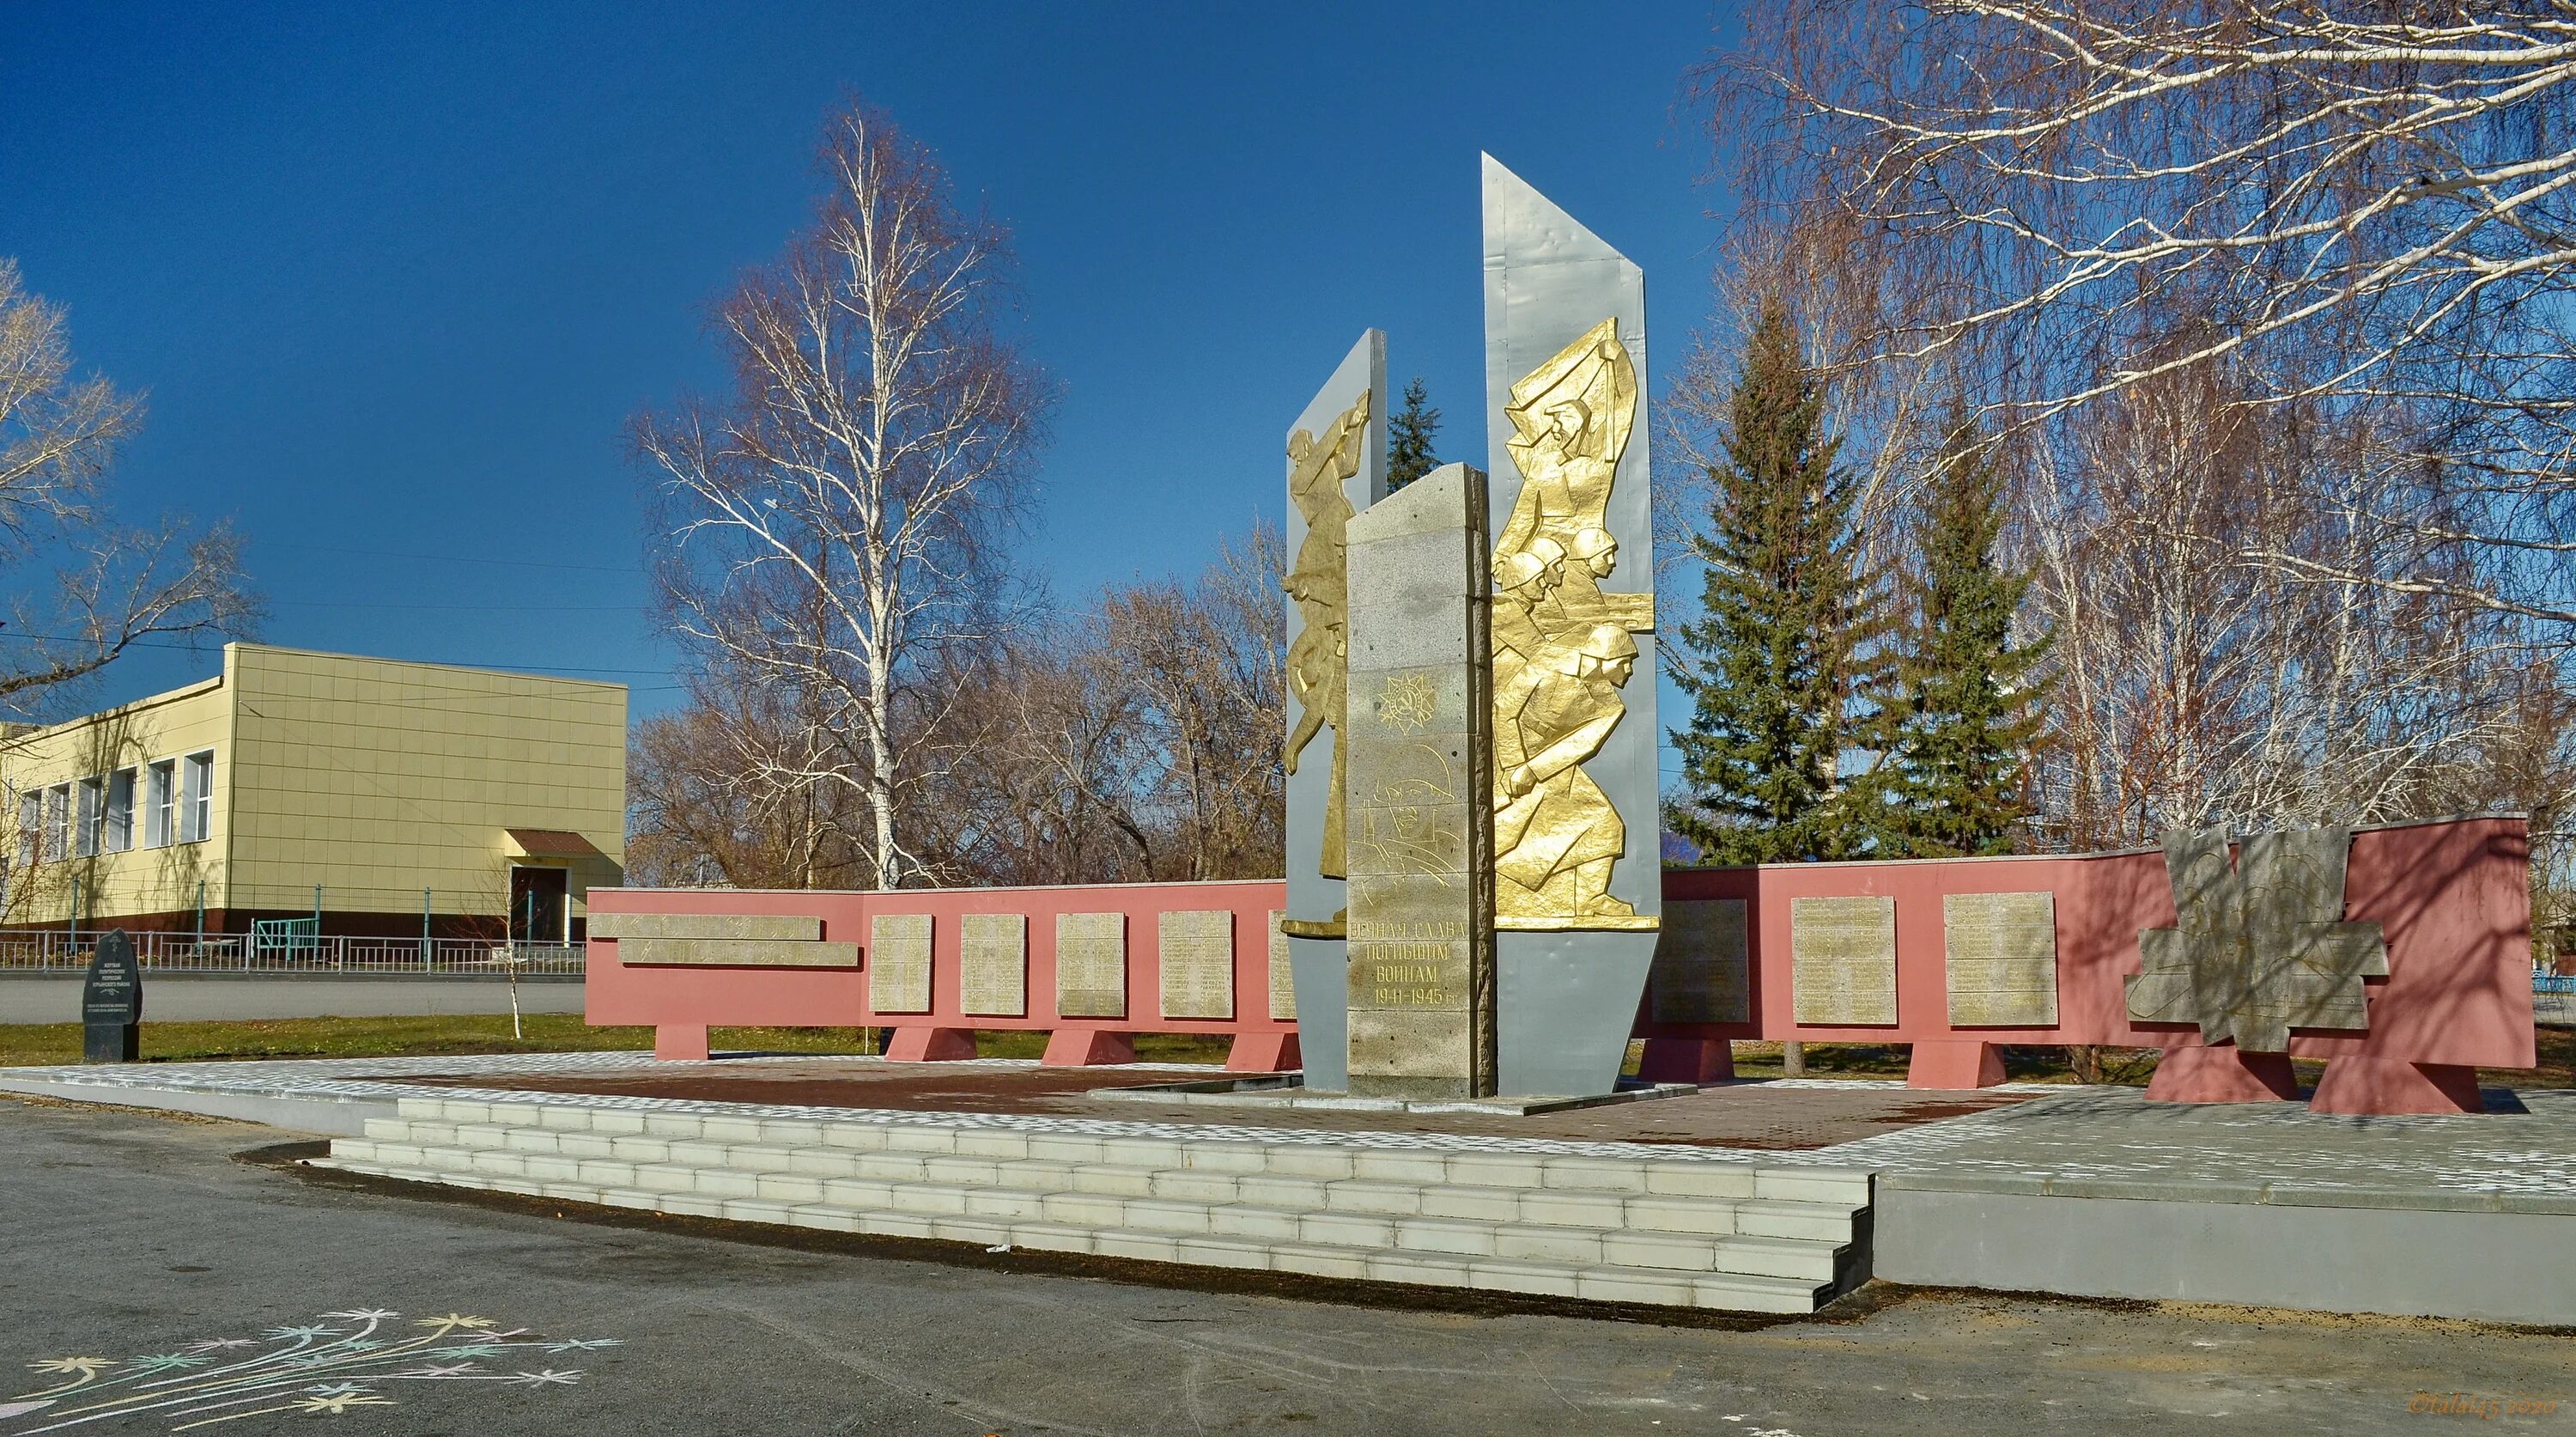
x: 197, y: 798
x: 120, y: 810
x: 58, y: 821
x: 93, y: 817
x: 161, y: 803
x: 31, y: 828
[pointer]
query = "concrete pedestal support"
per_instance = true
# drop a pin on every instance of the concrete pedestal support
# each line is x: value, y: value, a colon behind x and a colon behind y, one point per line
x: 1087, y: 1048
x: 931, y: 1045
x: 1262, y: 1053
x: 680, y: 1042
x: 1687, y: 1060
x: 1955, y: 1065
x: 2359, y: 1084
x: 2223, y: 1074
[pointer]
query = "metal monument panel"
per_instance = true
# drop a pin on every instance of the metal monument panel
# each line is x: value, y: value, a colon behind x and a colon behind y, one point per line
x: 993, y: 964
x: 1999, y: 959
x: 1336, y: 467
x: 1197, y: 954
x: 1701, y: 967
x: 2259, y: 947
x: 1091, y: 965
x: 1579, y: 881
x: 1842, y: 960
x: 1421, y: 821
x: 899, y: 963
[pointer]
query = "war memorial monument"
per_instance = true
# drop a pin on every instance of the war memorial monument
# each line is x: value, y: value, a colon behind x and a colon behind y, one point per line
x: 1430, y: 1019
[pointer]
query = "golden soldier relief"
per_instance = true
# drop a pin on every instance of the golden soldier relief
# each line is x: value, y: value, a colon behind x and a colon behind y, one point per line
x: 1318, y: 661
x: 1562, y: 650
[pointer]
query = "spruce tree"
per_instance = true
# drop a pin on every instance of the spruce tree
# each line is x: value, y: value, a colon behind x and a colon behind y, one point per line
x: 1409, y: 432
x: 1786, y: 617
x: 1970, y: 709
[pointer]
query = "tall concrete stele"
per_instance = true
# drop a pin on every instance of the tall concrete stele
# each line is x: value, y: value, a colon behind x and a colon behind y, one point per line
x: 1336, y: 468
x: 1519, y: 973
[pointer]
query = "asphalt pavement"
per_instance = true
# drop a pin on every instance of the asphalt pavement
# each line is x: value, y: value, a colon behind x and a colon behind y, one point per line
x: 211, y: 1289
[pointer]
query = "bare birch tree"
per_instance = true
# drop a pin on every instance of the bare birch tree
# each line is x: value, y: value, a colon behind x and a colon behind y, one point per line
x: 2364, y: 210
x: 830, y: 529
x: 83, y: 588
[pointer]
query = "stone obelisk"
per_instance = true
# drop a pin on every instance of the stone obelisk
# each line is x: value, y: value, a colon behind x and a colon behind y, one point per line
x: 1418, y: 794
x: 1578, y: 868
x: 1336, y: 454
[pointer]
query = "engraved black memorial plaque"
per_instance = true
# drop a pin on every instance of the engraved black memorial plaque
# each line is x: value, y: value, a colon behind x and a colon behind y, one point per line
x: 112, y: 1003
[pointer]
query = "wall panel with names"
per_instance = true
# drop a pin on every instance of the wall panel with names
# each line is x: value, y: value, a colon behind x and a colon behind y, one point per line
x: 1091, y: 965
x: 899, y: 963
x: 1197, y: 951
x: 993, y: 967
x: 1842, y: 960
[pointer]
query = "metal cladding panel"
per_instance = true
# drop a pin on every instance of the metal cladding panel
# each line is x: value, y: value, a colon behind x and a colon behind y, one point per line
x: 1319, y: 965
x: 1568, y: 997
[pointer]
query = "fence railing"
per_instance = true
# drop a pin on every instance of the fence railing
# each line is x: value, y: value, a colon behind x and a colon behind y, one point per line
x: 65, y: 952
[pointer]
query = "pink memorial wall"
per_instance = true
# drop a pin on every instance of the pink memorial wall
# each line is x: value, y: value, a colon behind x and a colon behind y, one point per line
x: 2450, y: 898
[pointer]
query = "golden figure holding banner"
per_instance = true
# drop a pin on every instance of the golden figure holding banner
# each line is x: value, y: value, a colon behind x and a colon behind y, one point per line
x: 1562, y: 649
x: 1318, y: 661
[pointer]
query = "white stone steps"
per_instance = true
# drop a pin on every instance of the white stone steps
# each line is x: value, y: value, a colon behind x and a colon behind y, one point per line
x: 1697, y: 1230
x: 1742, y: 1292
x: 1725, y: 1238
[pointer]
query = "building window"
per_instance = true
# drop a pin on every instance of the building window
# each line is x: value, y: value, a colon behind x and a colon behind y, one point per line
x: 31, y: 825
x: 58, y: 821
x: 197, y: 798
x: 161, y: 804
x: 120, y: 810
x: 93, y: 817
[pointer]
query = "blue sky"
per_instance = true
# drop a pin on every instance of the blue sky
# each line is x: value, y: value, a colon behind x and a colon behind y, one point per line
x: 395, y: 276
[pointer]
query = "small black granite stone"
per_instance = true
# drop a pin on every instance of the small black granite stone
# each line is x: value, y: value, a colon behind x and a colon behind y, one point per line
x: 112, y: 1003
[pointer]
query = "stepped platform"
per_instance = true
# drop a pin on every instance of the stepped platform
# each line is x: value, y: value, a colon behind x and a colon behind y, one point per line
x: 1750, y: 1197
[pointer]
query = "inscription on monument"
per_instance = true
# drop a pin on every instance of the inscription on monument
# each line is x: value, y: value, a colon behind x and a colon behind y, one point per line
x: 1842, y: 960
x: 1283, y: 985
x: 112, y: 1003
x: 2001, y: 959
x: 1091, y: 965
x: 1699, y: 974
x: 899, y: 966
x: 1420, y: 812
x: 993, y: 966
x: 1198, y: 964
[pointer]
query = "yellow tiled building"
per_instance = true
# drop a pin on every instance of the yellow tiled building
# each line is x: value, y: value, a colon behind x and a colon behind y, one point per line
x: 371, y: 791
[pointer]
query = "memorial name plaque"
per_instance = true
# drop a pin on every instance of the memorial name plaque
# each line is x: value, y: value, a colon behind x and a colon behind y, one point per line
x: 1842, y: 960
x: 112, y: 1003
x: 1420, y: 814
x: 1091, y: 965
x: 993, y: 964
x: 2001, y: 957
x: 1283, y: 981
x: 1198, y: 963
x: 899, y: 966
x: 1699, y: 974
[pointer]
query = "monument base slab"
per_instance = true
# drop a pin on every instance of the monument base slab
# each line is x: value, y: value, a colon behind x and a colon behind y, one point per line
x: 2225, y: 1074
x: 1954, y: 1065
x: 2359, y: 1084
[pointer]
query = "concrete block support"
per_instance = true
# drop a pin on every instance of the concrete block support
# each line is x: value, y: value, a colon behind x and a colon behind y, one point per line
x: 930, y: 1045
x: 1087, y: 1048
x: 1687, y: 1060
x: 1954, y: 1065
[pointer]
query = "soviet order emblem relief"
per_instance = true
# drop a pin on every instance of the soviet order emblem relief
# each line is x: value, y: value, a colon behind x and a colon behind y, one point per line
x: 1561, y: 646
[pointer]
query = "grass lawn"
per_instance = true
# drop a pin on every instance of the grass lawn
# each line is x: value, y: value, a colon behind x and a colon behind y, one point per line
x: 37, y: 1043
x: 32, y: 1043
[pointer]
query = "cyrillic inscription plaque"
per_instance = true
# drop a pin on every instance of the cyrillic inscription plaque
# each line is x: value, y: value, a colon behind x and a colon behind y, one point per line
x: 1842, y: 960
x: 1198, y: 964
x: 1699, y: 972
x: 899, y: 963
x: 1091, y: 965
x: 1283, y: 986
x: 2001, y: 957
x: 993, y: 968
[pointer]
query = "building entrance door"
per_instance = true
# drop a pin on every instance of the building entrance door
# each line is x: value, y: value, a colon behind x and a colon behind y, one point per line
x: 539, y: 903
